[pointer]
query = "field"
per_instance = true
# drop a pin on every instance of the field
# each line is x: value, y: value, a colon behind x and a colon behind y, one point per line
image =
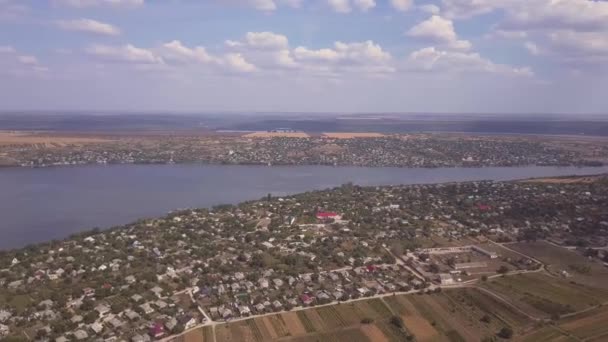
x: 18, y: 138
x: 276, y: 135
x: 543, y: 296
x: 560, y: 259
x: 452, y: 315
x: 352, y: 135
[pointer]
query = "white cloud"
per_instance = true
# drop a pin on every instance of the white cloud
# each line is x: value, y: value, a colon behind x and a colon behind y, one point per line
x: 7, y: 49
x: 236, y: 62
x: 176, y: 51
x: 11, y: 9
x: 532, y: 48
x: 365, y: 5
x: 88, y: 25
x: 439, y: 30
x: 13, y: 63
x: 431, y: 59
x: 125, y: 53
x: 27, y: 60
x: 263, y: 5
x: 340, y: 6
x: 99, y: 3
x: 402, y: 5
x: 262, y: 40
x: 430, y: 8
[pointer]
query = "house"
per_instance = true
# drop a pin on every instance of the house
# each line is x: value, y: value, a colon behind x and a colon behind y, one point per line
x: 88, y: 292
x: 61, y: 339
x: 96, y: 327
x: 277, y: 282
x: 263, y: 283
x: 157, y: 291
x: 116, y: 323
x: 146, y: 308
x: 260, y: 308
x: 136, y: 297
x: 80, y: 335
x: 187, y: 321
x: 171, y: 324
x: 244, y: 310
x: 4, y: 316
x: 102, y: 309
x: 76, y: 319
x: 325, y: 216
x: 130, y: 279
x: 140, y: 338
x: 132, y: 315
x: 4, y: 330
x: 446, y: 279
x: 277, y: 305
x: 307, y: 299
x: 157, y: 330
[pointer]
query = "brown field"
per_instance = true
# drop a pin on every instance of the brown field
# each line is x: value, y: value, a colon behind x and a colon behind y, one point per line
x: 420, y: 327
x: 373, y: 333
x: 293, y: 324
x: 564, y: 180
x: 19, y: 138
x: 276, y: 135
x: 560, y: 259
x: 353, y: 135
x: 542, y: 295
x: 194, y: 336
x: 589, y: 325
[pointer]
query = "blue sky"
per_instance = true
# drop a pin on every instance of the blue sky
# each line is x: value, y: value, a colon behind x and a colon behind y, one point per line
x: 524, y: 56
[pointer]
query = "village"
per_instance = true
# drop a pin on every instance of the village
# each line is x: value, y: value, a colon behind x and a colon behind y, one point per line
x: 155, y: 278
x: 286, y: 148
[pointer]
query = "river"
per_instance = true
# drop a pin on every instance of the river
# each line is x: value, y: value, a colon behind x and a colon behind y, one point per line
x: 51, y: 203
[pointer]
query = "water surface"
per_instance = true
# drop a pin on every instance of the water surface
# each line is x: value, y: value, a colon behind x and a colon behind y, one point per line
x: 52, y: 203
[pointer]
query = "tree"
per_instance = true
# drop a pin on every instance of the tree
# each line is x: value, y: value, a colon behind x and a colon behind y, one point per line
x: 397, y: 321
x: 484, y: 278
x: 502, y: 269
x: 506, y: 333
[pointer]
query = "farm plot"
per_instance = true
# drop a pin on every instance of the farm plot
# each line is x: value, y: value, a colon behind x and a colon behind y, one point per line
x: 590, y: 325
x: 559, y: 259
x: 487, y: 309
x: 546, y: 296
x: 547, y: 334
x: 353, y: 334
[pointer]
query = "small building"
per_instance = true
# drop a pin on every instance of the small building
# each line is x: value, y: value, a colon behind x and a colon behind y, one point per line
x: 469, y: 265
x: 446, y: 279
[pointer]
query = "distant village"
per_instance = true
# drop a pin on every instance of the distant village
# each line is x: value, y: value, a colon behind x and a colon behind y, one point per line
x: 155, y: 278
x: 284, y: 147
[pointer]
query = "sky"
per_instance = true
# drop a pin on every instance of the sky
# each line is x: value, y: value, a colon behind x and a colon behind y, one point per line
x: 441, y: 56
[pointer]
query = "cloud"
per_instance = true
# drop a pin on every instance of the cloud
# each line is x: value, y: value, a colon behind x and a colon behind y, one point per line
x: 346, y: 6
x: 11, y: 9
x: 89, y: 26
x: 14, y: 63
x: 430, y: 8
x: 439, y: 30
x: 176, y: 51
x: 236, y: 62
x: 532, y: 48
x: 402, y: 5
x: 263, y: 5
x: 7, y: 49
x: 365, y: 5
x: 99, y: 3
x: 124, y: 53
x: 261, y: 40
x: 340, y: 6
x: 431, y: 59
